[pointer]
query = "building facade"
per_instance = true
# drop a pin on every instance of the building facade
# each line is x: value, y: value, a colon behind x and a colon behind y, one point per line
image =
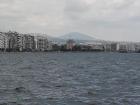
x: 27, y: 42
x: 13, y: 41
x: 123, y: 47
x: 41, y: 43
x: 107, y: 47
x: 97, y: 47
x: 3, y: 41
x: 137, y: 47
x: 70, y: 44
x: 113, y: 47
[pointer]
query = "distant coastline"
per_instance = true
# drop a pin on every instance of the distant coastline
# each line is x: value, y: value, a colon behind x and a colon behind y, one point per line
x: 18, y: 42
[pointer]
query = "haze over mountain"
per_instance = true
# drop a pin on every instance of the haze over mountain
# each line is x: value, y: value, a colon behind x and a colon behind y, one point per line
x: 76, y: 36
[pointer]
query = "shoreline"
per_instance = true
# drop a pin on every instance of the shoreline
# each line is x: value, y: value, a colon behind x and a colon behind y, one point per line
x: 64, y: 52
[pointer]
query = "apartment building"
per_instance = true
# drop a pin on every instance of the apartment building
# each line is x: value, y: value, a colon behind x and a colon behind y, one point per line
x: 13, y: 41
x: 27, y: 42
x: 41, y: 43
x: 3, y: 41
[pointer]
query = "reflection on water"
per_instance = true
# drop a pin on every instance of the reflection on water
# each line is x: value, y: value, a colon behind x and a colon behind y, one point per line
x: 69, y: 79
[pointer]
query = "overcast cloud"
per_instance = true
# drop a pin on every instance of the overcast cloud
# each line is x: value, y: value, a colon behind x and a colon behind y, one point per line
x: 103, y: 19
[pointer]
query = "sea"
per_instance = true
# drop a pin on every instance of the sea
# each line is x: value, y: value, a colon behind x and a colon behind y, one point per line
x: 69, y: 78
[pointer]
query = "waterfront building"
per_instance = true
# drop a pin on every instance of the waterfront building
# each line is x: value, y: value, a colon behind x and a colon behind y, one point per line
x: 131, y: 47
x: 70, y: 44
x: 137, y: 47
x: 3, y: 41
x: 107, y: 47
x: 123, y: 47
x: 27, y: 42
x: 13, y: 41
x: 41, y: 43
x: 85, y: 47
x: 126, y: 47
x: 50, y: 44
x: 97, y: 47
x: 114, y: 47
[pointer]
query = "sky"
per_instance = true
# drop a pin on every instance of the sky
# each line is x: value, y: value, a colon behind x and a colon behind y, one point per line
x: 116, y: 20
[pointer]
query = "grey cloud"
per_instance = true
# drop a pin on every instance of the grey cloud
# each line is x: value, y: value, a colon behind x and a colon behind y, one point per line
x: 105, y: 19
x: 78, y: 6
x: 98, y: 10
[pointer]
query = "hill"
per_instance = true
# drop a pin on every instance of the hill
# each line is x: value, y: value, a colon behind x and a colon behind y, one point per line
x: 76, y: 36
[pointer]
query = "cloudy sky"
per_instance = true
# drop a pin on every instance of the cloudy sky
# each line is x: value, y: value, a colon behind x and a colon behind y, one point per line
x: 103, y: 19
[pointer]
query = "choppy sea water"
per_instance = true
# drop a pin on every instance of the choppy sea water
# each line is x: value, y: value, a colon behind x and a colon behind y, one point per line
x: 69, y: 79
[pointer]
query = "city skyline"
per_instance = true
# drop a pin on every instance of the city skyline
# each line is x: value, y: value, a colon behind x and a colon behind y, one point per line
x: 19, y: 42
x: 116, y: 20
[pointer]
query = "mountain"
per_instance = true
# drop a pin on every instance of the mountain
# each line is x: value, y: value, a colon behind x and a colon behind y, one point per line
x: 76, y: 36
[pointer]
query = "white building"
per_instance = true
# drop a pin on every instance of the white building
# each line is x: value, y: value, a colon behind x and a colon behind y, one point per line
x: 137, y: 47
x: 122, y: 47
x: 3, y: 41
x: 41, y: 43
x: 126, y: 47
x: 97, y: 46
x: 131, y: 47
x: 107, y: 47
x: 26, y: 42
